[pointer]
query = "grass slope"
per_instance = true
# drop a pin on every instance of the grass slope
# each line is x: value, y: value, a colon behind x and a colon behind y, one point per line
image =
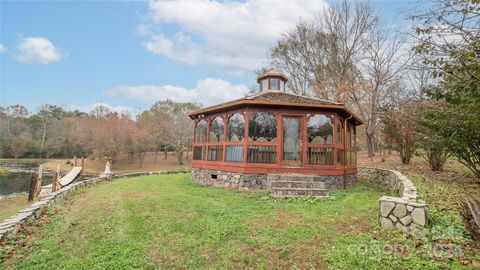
x: 168, y: 222
x: 10, y: 206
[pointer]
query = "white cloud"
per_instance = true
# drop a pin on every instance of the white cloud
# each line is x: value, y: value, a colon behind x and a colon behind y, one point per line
x: 2, y: 48
x: 206, y: 92
x: 38, y: 50
x: 143, y: 30
x: 232, y: 35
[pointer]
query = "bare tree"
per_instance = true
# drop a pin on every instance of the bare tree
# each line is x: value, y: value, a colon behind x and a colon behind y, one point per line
x: 346, y: 55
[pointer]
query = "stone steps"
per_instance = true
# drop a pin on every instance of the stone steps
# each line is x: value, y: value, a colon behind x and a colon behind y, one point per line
x: 299, y: 196
x: 288, y: 192
x: 297, y: 184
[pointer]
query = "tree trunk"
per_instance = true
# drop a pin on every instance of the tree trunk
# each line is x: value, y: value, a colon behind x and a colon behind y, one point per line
x: 165, y: 152
x: 180, y: 157
x: 370, y: 144
x: 142, y: 157
x: 155, y: 157
x: 43, y: 137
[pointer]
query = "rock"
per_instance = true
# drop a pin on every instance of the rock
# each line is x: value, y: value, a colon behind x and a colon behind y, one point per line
x: 406, y: 220
x: 419, y: 216
x: 400, y: 210
x: 386, y: 208
x: 386, y: 223
x: 409, y: 208
x: 393, y: 218
x: 38, y: 213
x: 400, y: 227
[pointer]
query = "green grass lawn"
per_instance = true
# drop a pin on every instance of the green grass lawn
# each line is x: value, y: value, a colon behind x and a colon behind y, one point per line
x: 168, y: 222
x: 10, y: 206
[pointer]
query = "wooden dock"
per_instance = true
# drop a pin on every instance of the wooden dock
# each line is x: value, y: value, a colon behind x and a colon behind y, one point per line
x: 70, y: 176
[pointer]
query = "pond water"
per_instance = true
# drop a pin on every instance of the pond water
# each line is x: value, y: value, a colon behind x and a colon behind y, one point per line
x: 16, y: 180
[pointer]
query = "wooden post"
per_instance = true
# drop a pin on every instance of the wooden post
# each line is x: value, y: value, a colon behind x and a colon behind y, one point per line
x: 56, y: 176
x: 31, y: 188
x: 83, y: 162
x: 39, y: 181
x: 75, y: 161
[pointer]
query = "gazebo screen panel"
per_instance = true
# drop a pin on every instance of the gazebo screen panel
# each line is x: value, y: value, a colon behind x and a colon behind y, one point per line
x: 262, y: 136
x: 258, y: 144
x: 320, y: 134
x: 234, y: 145
x: 199, y: 148
x: 199, y: 152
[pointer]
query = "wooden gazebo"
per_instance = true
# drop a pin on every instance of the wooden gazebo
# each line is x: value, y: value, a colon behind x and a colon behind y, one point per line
x: 292, y: 144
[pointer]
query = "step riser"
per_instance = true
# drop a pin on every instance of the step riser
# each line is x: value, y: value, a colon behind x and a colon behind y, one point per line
x: 319, y: 185
x: 302, y: 178
x: 306, y: 192
x: 298, y: 196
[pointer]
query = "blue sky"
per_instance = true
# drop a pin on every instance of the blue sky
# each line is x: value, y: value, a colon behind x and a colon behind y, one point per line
x: 131, y: 54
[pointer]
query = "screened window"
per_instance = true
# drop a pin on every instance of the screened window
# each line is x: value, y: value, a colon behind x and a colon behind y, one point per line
x: 274, y: 84
x: 354, y: 158
x: 320, y: 156
x: 234, y: 153
x: 354, y: 134
x: 340, y: 157
x: 201, y: 132
x: 349, y: 135
x: 339, y: 130
x: 216, y: 130
x: 282, y: 85
x: 236, y: 128
x: 320, y: 129
x: 262, y: 154
x: 291, y: 138
x: 215, y: 153
x: 265, y: 84
x: 199, y: 152
x: 262, y: 127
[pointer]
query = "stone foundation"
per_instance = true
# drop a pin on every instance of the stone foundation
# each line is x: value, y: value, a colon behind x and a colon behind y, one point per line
x: 230, y: 179
x: 405, y: 212
x: 262, y: 181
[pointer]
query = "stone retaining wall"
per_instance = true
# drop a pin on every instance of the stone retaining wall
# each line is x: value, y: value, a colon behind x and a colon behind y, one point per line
x: 404, y: 212
x: 13, y: 224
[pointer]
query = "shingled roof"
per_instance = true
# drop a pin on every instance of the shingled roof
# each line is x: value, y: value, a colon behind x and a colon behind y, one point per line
x: 277, y: 99
x: 271, y: 73
x: 287, y: 97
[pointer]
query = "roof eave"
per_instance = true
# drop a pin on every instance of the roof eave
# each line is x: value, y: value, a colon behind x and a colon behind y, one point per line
x: 230, y: 105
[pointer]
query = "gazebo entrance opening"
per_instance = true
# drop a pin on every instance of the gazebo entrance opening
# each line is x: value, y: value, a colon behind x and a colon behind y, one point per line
x: 292, y: 141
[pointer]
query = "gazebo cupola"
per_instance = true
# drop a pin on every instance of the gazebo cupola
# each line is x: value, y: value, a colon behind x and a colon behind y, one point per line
x: 272, y: 80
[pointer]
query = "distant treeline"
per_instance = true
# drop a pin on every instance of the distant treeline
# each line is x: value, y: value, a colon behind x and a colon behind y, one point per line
x: 54, y: 132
